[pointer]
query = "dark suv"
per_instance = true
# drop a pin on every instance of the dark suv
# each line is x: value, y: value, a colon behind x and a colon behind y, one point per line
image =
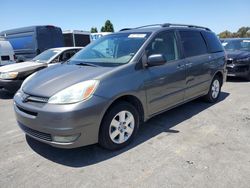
x: 238, y: 54
x: 106, y: 90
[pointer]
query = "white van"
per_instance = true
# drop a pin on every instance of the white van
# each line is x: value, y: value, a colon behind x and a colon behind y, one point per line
x: 6, y: 52
x: 95, y: 36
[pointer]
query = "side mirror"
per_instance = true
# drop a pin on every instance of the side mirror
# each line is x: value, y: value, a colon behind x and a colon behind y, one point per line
x: 156, y: 60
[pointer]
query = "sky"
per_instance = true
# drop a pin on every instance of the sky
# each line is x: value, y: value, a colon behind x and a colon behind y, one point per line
x: 218, y: 15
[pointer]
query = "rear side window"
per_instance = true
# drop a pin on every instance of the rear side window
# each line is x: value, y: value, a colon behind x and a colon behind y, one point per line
x: 213, y: 42
x: 193, y: 43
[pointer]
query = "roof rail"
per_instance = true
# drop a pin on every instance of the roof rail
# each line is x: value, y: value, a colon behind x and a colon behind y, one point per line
x: 152, y: 25
x: 185, y: 25
x: 125, y: 29
x: 168, y: 25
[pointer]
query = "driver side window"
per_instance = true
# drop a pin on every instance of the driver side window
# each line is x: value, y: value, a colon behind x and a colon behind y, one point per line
x: 164, y: 43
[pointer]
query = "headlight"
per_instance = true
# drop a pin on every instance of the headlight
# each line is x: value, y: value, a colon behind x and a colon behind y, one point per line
x: 244, y: 59
x: 8, y: 75
x: 76, y: 93
x: 27, y: 79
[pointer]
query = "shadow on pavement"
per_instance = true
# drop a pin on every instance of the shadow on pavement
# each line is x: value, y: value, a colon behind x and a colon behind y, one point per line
x: 93, y: 154
x: 5, y: 94
x: 236, y: 79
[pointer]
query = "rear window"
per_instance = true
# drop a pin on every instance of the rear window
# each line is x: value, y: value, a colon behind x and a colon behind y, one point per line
x: 68, y: 39
x: 193, y: 43
x: 82, y: 40
x: 213, y: 42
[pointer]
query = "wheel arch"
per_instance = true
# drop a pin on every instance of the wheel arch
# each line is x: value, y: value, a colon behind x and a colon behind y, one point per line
x: 133, y: 100
x: 220, y: 75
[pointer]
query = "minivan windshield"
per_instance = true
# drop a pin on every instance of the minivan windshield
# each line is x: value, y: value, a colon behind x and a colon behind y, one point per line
x: 45, y: 56
x: 111, y: 50
x: 237, y: 44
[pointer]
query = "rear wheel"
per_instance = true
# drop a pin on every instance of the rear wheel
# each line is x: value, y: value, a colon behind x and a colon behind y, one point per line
x: 214, y: 91
x: 119, y: 126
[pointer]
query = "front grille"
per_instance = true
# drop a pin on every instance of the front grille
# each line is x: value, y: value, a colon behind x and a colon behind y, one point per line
x: 37, y: 99
x: 230, y: 70
x: 238, y: 69
x: 37, y: 134
x: 27, y: 111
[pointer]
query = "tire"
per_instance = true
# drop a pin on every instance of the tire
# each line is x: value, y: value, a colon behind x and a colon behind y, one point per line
x: 116, y: 133
x: 214, y: 90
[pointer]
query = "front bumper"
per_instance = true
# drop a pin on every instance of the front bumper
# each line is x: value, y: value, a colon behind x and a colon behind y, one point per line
x: 10, y: 85
x: 43, y: 121
x: 238, y: 70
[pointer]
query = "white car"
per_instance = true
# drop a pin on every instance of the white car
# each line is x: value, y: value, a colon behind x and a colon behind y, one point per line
x: 12, y: 76
x: 6, y: 53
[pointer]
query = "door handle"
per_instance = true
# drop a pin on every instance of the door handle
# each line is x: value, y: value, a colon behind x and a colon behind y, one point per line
x: 180, y: 66
x: 189, y: 64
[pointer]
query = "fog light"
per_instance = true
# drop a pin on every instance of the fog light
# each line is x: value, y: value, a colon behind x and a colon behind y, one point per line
x: 66, y: 139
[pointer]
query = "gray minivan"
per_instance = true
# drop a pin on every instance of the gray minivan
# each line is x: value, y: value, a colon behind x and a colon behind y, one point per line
x: 119, y: 81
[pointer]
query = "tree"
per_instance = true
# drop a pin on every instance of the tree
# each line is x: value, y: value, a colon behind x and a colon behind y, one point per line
x: 108, y: 27
x: 93, y: 30
x: 225, y: 34
x: 241, y: 33
x: 103, y: 29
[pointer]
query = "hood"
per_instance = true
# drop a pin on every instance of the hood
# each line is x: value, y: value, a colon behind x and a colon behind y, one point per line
x: 49, y: 81
x: 22, y: 67
x: 237, y: 54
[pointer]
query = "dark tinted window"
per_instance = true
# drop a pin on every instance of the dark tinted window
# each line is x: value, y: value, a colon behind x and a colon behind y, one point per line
x: 213, y: 42
x: 193, y: 43
x: 82, y: 40
x: 165, y: 44
x: 5, y: 58
x: 67, y: 54
x: 68, y: 39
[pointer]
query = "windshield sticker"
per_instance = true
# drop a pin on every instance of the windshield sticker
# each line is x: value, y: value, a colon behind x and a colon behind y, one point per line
x: 137, y: 36
x: 246, y: 40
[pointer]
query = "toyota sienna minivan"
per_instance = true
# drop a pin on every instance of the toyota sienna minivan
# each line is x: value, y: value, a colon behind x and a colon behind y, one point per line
x: 104, y: 92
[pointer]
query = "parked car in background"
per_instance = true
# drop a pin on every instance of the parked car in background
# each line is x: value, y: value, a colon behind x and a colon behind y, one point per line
x: 12, y: 76
x: 28, y: 42
x: 7, y: 55
x: 119, y: 81
x: 95, y: 36
x: 76, y: 38
x: 238, y: 54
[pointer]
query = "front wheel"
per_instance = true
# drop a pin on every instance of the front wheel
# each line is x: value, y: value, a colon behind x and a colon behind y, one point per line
x: 119, y: 126
x: 214, y: 90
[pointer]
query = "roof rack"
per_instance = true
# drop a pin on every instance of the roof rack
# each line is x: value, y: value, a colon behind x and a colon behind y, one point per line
x: 185, y: 25
x: 168, y: 25
x: 152, y: 25
x: 125, y: 29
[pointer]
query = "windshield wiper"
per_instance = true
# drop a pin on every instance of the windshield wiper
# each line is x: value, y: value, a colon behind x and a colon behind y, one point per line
x: 86, y: 64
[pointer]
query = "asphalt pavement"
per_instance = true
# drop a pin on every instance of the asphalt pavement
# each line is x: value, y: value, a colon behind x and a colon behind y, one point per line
x: 195, y: 145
